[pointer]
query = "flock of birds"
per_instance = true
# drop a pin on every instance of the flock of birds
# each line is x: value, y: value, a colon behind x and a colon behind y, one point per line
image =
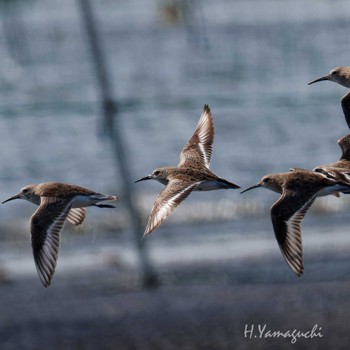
x: 298, y: 188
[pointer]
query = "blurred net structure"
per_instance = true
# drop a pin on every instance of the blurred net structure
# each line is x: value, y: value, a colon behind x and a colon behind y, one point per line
x: 112, y: 129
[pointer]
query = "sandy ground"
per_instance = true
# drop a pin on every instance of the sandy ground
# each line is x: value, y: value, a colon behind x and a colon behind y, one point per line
x: 201, y: 306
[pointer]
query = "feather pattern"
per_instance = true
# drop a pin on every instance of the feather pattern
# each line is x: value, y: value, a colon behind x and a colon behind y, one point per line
x: 287, y: 214
x: 76, y: 216
x: 57, y: 202
x: 168, y: 199
x: 197, y: 152
x: 192, y: 173
x: 46, y: 225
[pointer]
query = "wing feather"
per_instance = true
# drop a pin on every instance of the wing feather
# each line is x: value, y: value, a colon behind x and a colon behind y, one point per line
x: 76, y: 216
x: 344, y: 142
x: 46, y: 225
x: 345, y: 103
x: 168, y: 199
x: 197, y: 153
x: 287, y: 214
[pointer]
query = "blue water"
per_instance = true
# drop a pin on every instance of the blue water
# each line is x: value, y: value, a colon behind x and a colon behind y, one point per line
x: 250, y: 60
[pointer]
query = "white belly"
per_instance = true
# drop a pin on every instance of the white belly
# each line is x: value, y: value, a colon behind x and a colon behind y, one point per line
x: 85, y: 201
x: 210, y: 186
x: 332, y: 190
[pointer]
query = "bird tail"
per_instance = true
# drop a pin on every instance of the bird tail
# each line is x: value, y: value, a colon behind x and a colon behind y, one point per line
x: 104, y: 197
x: 229, y: 184
x: 104, y: 205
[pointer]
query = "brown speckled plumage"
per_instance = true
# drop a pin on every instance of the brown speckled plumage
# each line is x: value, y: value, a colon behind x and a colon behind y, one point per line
x: 299, y: 188
x: 191, y: 174
x: 344, y: 144
x: 57, y: 202
x: 341, y: 168
x: 60, y: 190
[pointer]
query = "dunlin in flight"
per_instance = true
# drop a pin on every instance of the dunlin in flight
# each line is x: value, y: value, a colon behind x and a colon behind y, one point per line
x: 57, y: 202
x: 191, y: 174
x: 340, y: 75
x: 299, y: 189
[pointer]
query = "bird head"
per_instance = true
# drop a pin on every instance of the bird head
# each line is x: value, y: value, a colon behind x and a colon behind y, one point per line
x: 272, y: 182
x: 27, y: 193
x: 160, y: 174
x: 340, y: 75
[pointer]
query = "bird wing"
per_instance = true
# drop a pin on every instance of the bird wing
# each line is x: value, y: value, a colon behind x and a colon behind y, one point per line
x: 345, y: 103
x: 76, y: 216
x: 168, y: 199
x: 197, y: 153
x: 344, y: 144
x: 287, y: 214
x: 333, y: 172
x: 46, y: 225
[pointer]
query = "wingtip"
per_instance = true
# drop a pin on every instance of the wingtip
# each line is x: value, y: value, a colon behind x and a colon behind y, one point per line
x: 148, y: 230
x: 298, y: 270
x: 206, y: 107
x: 47, y: 285
x: 299, y: 273
x: 46, y: 281
x: 146, y: 233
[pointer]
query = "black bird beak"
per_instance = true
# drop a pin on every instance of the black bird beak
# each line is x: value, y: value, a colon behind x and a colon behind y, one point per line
x: 17, y: 196
x: 326, y: 77
x: 251, y: 187
x: 149, y: 177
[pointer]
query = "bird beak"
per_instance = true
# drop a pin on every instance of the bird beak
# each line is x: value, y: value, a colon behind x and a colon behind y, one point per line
x: 251, y: 187
x: 149, y: 177
x: 17, y: 196
x: 326, y: 77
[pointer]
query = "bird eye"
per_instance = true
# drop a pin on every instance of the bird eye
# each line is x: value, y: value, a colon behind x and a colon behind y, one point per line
x: 267, y: 179
x: 157, y: 172
x: 333, y: 73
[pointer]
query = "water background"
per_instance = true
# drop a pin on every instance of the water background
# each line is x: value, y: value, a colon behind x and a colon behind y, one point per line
x: 249, y: 60
x: 216, y: 256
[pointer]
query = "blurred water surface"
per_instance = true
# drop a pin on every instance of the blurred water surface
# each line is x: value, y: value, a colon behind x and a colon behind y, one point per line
x: 249, y: 60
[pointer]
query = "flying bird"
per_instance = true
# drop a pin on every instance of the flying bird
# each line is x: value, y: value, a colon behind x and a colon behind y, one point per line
x: 57, y: 202
x: 340, y: 75
x: 191, y: 174
x: 299, y: 189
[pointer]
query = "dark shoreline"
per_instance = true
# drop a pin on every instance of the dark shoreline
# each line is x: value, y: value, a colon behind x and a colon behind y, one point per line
x: 201, y: 306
